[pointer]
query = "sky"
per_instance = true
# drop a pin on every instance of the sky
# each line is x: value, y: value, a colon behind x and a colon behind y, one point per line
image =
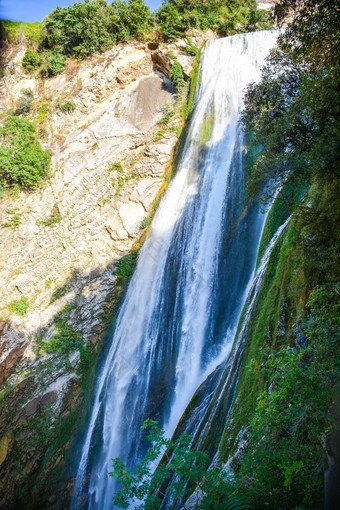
x: 36, y: 10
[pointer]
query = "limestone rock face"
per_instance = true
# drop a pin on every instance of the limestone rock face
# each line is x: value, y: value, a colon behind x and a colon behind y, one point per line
x: 107, y: 168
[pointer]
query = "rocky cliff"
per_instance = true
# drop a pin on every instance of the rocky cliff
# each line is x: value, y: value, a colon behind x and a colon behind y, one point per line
x: 59, y: 283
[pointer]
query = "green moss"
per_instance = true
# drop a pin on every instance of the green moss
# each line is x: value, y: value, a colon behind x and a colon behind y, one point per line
x: 194, y: 80
x: 206, y: 127
x: 284, y: 205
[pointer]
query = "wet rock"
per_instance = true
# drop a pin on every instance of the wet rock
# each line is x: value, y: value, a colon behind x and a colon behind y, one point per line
x: 161, y: 62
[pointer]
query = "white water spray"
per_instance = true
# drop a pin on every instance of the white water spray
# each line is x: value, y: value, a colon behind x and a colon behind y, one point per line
x: 166, y: 336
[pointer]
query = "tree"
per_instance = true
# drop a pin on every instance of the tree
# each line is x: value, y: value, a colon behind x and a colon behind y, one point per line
x: 134, y: 18
x: 22, y: 160
x: 294, y: 111
x: 180, y: 470
x: 81, y: 29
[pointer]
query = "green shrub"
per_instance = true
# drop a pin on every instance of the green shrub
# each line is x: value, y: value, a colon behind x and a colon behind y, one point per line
x: 168, y: 114
x: 126, y: 265
x: 53, y: 218
x: 44, y: 112
x: 25, y: 102
x: 68, y: 106
x: 31, y: 60
x: 176, y: 76
x: 20, y: 306
x: 116, y: 167
x: 14, y: 221
x: 23, y: 162
x: 160, y: 135
x: 146, y: 222
x: 53, y: 65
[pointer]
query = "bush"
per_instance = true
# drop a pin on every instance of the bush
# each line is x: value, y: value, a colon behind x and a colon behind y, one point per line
x: 54, y: 64
x: 20, y: 306
x: 22, y: 160
x: 31, y: 60
x: 25, y: 102
x: 176, y: 76
x: 126, y: 265
x: 68, y: 106
x: 53, y: 218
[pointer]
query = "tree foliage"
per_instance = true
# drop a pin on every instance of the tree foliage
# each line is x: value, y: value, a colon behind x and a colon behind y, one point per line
x: 22, y: 160
x: 294, y: 111
x: 90, y: 26
x: 226, y: 17
x: 176, y: 76
x: 181, y: 469
x: 284, y: 459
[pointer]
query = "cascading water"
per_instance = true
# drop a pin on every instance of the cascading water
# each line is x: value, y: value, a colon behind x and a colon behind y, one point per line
x: 180, y: 312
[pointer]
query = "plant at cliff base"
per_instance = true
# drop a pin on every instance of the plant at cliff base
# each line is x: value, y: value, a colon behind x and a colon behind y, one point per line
x: 20, y: 306
x: 176, y: 76
x: 67, y: 106
x: 285, y: 454
x: 24, y: 104
x: 31, y: 60
x: 22, y: 160
x: 180, y: 470
x: 53, y: 65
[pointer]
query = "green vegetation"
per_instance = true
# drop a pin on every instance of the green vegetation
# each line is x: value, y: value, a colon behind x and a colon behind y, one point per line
x: 92, y: 26
x: 14, y: 29
x: 126, y: 265
x: 20, y: 306
x: 53, y: 218
x: 183, y: 466
x: 206, y: 128
x: 176, y: 76
x: 286, y: 389
x: 25, y: 102
x: 31, y: 60
x: 116, y: 167
x: 53, y: 65
x: 14, y: 221
x: 146, y: 222
x: 66, y: 338
x: 229, y: 17
x: 168, y: 113
x: 160, y: 135
x: 67, y: 106
x: 22, y: 160
x: 44, y: 112
x: 86, y: 27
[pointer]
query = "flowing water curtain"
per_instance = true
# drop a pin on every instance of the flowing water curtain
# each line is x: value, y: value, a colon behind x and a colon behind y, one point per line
x: 182, y: 305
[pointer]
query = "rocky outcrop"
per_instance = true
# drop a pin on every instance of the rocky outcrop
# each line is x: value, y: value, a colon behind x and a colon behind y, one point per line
x: 109, y: 158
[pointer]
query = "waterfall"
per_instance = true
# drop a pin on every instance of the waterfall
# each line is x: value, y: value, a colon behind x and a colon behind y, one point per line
x: 180, y: 312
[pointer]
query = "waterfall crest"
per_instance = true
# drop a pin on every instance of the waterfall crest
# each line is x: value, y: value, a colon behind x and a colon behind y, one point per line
x: 180, y: 313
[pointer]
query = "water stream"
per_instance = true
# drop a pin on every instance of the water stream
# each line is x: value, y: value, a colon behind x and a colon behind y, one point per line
x: 180, y: 312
